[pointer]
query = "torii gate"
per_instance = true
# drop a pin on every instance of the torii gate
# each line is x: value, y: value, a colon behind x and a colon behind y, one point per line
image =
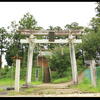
x: 33, y: 41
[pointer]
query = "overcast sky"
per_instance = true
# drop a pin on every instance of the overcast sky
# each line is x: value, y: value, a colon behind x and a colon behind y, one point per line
x: 48, y: 13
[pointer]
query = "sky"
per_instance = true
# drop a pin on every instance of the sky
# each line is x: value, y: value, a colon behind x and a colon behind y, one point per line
x: 48, y: 13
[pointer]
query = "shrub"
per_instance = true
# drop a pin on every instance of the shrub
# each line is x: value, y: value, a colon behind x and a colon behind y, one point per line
x: 10, y: 73
x: 59, y: 62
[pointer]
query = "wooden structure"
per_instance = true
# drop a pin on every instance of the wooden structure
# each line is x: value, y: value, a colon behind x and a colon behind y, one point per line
x: 46, y: 32
x: 33, y: 41
x: 42, y: 61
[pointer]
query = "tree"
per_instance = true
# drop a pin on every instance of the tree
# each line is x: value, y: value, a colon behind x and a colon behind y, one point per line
x: 87, y: 29
x: 91, y: 45
x: 27, y: 22
x: 95, y: 21
x: 91, y: 41
x: 50, y: 28
x: 57, y: 28
x: 14, y: 48
x: 73, y: 26
x: 98, y: 9
x: 60, y: 62
x: 3, y: 43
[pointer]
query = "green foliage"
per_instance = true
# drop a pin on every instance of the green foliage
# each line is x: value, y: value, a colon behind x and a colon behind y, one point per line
x: 86, y: 86
x: 73, y: 26
x: 27, y: 22
x: 80, y: 65
x: 91, y: 45
x: 16, y: 48
x: 60, y: 62
x: 62, y: 80
x: 66, y: 76
x: 98, y: 9
x: 3, y: 42
x: 10, y: 73
x: 56, y: 28
x: 3, y: 37
x: 95, y: 23
x: 4, y: 73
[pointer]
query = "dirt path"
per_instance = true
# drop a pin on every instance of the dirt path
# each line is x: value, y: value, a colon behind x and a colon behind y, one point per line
x: 54, y: 90
x: 61, y: 85
x: 59, y: 95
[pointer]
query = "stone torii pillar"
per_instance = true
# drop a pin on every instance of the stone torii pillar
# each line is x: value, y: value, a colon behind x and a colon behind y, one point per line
x: 93, y: 72
x: 73, y: 59
x: 30, y: 59
x: 17, y: 73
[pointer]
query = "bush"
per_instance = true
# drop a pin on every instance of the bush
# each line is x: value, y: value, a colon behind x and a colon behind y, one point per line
x: 59, y: 62
x: 86, y: 86
x: 62, y: 80
x: 10, y: 73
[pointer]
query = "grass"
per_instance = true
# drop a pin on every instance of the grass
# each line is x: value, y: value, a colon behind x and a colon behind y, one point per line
x: 61, y: 80
x: 1, y: 90
x: 68, y: 78
x: 7, y: 82
x: 86, y: 86
x: 25, y: 91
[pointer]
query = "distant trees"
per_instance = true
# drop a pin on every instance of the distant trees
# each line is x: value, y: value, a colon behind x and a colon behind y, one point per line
x: 3, y: 43
x: 16, y: 48
x: 56, y: 28
x: 28, y: 22
x: 73, y: 26
x: 91, y: 41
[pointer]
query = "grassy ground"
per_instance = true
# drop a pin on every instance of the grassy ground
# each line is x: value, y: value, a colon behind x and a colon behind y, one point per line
x: 86, y: 86
x: 62, y: 80
x: 8, y: 82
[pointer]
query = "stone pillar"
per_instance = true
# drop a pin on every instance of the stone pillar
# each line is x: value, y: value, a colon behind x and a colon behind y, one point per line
x: 93, y: 73
x: 17, y: 75
x: 73, y: 61
x: 30, y: 60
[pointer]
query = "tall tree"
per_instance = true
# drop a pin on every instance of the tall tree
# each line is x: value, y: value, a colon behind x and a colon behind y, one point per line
x: 95, y: 21
x: 91, y: 41
x: 3, y: 43
x: 73, y: 26
x: 98, y: 9
x: 15, y: 47
x: 27, y: 22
